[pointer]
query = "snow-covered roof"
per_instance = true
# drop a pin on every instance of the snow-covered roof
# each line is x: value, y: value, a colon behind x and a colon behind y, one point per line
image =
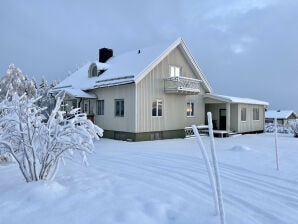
x: 77, y: 93
x: 280, y: 114
x: 127, y: 68
x: 231, y: 99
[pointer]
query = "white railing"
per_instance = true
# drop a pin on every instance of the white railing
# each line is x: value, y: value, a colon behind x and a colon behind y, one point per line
x: 182, y: 85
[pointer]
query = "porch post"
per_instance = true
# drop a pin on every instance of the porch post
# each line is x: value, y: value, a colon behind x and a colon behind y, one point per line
x: 228, y: 116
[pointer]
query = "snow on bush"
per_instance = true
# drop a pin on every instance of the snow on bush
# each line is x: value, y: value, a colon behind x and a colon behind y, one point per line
x: 39, y: 146
x: 285, y: 129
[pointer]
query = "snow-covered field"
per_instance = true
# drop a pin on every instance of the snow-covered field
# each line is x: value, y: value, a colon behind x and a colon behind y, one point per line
x: 161, y: 182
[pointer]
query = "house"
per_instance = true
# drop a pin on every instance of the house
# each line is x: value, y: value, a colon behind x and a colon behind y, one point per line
x: 154, y: 93
x: 283, y: 116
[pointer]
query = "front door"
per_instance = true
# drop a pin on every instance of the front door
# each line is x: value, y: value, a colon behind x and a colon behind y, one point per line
x: 222, y: 119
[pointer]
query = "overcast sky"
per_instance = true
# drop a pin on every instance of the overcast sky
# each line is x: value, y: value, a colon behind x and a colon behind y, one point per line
x: 245, y: 48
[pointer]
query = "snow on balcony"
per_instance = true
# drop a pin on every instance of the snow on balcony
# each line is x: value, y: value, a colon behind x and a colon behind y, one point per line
x: 182, y: 85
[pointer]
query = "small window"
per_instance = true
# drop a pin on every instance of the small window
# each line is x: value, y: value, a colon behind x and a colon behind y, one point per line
x: 92, y: 72
x: 243, y: 114
x: 157, y: 108
x: 175, y: 71
x: 256, y: 114
x: 100, y: 107
x: 119, y: 108
x: 189, y: 109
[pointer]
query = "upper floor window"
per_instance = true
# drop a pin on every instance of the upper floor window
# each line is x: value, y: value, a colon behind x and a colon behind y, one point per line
x: 189, y: 109
x: 243, y: 114
x: 157, y: 108
x: 119, y: 108
x: 100, y: 107
x: 256, y: 114
x: 175, y: 71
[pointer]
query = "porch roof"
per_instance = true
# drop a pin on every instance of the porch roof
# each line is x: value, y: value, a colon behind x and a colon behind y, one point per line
x: 78, y: 93
x: 231, y: 99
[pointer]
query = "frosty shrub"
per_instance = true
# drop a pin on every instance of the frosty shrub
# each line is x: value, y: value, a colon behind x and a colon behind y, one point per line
x: 38, y: 146
x: 294, y: 126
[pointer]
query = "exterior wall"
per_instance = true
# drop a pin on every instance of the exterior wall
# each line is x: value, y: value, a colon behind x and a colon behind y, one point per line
x: 234, y: 118
x: 109, y: 121
x: 251, y: 125
x: 151, y: 88
x: 236, y: 125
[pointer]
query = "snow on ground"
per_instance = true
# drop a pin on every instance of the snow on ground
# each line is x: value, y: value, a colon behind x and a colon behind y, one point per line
x: 161, y: 182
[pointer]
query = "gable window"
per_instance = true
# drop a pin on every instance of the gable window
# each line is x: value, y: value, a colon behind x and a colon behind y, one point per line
x: 92, y: 72
x: 157, y: 108
x: 243, y: 114
x: 175, y: 71
x: 119, y: 108
x: 100, y: 107
x: 189, y: 109
x: 256, y: 114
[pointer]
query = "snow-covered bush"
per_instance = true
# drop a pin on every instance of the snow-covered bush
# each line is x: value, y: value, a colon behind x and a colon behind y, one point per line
x: 284, y: 129
x: 39, y: 146
x: 15, y: 82
x: 294, y: 126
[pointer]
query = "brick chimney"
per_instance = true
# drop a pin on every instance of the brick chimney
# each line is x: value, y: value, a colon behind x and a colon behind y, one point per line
x: 105, y: 54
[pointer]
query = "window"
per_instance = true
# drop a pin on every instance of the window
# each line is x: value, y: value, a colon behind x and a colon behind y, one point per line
x: 157, y: 108
x: 100, y: 107
x: 119, y: 108
x: 189, y: 109
x: 175, y: 71
x: 243, y: 114
x: 256, y: 114
x: 92, y: 72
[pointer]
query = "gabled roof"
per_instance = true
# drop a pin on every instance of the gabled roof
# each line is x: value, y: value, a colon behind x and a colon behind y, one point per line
x: 280, y: 114
x: 231, y: 99
x: 129, y: 67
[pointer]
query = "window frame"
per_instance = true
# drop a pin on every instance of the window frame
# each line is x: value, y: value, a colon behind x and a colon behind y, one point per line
x: 191, y: 112
x: 243, y: 115
x: 256, y: 114
x: 100, y: 107
x: 157, y: 112
x: 175, y: 68
x: 121, y: 104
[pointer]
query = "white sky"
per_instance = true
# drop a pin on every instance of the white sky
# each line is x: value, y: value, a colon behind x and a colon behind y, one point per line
x: 245, y: 48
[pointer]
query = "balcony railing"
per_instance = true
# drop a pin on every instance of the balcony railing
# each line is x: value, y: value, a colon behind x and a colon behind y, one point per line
x: 182, y: 85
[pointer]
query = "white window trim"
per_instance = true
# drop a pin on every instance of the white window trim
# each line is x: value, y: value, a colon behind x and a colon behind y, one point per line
x: 119, y: 100
x: 190, y: 102
x: 97, y: 109
x: 257, y: 110
x: 162, y: 108
x: 175, y: 67
x: 245, y: 114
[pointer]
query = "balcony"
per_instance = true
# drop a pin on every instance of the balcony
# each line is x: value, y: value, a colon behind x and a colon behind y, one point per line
x: 182, y: 85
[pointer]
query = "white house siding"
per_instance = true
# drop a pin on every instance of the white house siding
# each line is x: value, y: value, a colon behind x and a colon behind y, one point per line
x: 234, y: 119
x: 250, y: 125
x: 109, y: 121
x: 151, y: 87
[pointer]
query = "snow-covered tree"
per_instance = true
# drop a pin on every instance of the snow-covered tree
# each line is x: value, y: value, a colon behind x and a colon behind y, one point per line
x: 46, y: 100
x: 15, y: 82
x: 39, y: 146
x: 294, y: 126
